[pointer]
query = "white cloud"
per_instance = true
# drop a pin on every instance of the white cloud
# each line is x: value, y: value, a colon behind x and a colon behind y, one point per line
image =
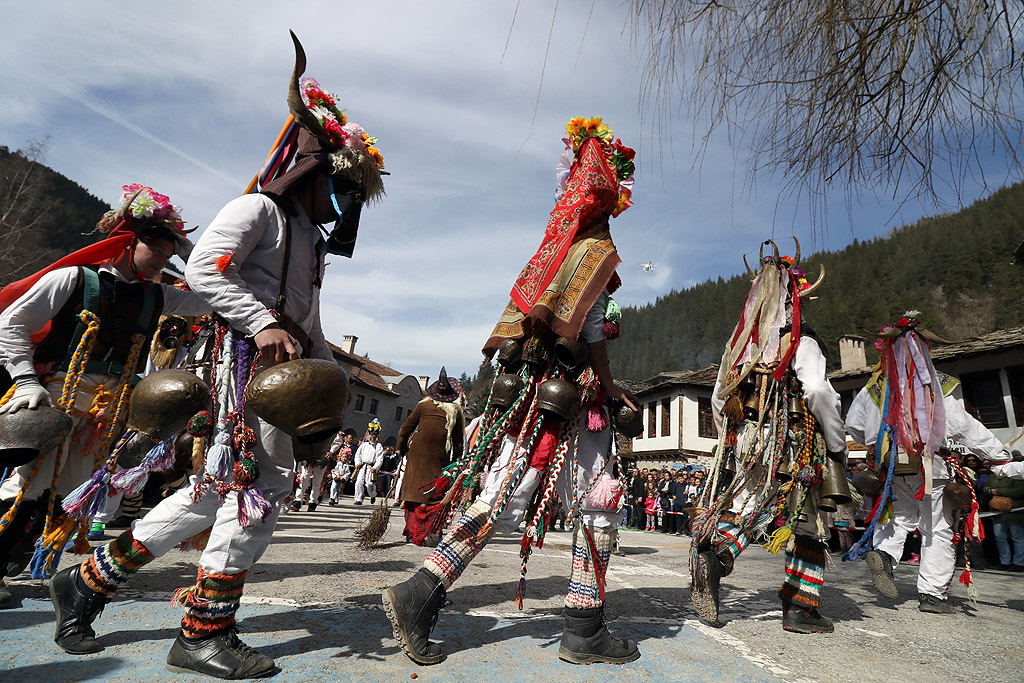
x: 188, y: 97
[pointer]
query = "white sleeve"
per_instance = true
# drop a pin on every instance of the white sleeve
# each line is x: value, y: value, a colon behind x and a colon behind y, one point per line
x: 716, y: 407
x: 235, y: 232
x: 822, y: 399
x: 863, y: 419
x: 181, y: 302
x: 378, y: 457
x: 317, y: 341
x: 1014, y: 470
x: 29, y: 313
x: 971, y: 433
x: 593, y: 325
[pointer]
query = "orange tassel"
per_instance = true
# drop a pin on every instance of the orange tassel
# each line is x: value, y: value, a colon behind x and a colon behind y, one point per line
x: 224, y: 262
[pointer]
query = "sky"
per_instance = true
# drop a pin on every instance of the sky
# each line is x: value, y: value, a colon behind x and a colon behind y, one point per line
x: 469, y: 101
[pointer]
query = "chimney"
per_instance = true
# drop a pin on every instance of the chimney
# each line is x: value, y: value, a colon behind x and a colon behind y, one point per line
x: 348, y: 343
x: 424, y: 381
x: 851, y: 353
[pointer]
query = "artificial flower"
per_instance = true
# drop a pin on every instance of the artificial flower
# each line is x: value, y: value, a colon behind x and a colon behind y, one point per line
x: 143, y: 205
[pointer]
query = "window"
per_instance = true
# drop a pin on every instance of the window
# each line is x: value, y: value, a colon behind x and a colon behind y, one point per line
x: 374, y: 405
x: 360, y: 403
x: 1015, y: 376
x: 983, y: 397
x: 652, y: 419
x: 666, y: 417
x: 705, y: 420
x: 398, y: 414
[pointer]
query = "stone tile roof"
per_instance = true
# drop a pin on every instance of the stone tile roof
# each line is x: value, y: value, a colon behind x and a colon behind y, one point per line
x: 705, y: 377
x: 364, y: 371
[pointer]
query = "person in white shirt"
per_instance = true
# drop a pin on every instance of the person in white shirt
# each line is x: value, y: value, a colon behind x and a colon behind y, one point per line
x: 41, y: 328
x: 911, y: 452
x: 368, y: 459
x: 260, y: 267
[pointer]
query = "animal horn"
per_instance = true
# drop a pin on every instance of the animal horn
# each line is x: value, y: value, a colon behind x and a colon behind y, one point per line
x: 749, y: 270
x: 775, y: 248
x: 796, y: 257
x: 821, y: 278
x: 295, y: 104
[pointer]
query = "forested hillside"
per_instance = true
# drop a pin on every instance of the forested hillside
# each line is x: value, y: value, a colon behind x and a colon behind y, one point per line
x: 955, y: 268
x: 43, y: 215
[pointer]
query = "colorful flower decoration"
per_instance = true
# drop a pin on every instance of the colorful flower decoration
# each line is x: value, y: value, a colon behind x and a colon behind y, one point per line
x: 148, y: 203
x: 323, y: 105
x: 909, y: 321
x: 373, y: 427
x: 579, y: 130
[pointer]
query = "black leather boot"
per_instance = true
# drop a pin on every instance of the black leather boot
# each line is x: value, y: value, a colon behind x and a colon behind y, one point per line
x: 412, y: 607
x: 6, y: 599
x: 707, y: 580
x: 880, y: 563
x: 77, y: 606
x: 586, y: 640
x: 221, y: 655
x: 799, y: 620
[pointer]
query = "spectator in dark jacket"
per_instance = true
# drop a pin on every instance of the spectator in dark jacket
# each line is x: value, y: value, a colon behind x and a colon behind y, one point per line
x: 678, y: 493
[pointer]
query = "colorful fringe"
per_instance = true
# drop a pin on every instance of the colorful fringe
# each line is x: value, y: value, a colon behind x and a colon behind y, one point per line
x: 456, y: 550
x: 589, y: 565
x: 211, y: 603
x: 805, y: 573
x: 111, y: 566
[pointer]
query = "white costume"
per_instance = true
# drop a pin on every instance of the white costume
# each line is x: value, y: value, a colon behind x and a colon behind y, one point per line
x: 932, y: 516
x: 251, y: 229
x: 28, y: 314
x: 369, y: 457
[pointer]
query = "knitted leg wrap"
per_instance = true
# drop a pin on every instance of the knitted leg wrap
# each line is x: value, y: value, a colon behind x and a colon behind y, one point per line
x: 112, y: 565
x: 131, y: 505
x: 730, y: 541
x: 584, y: 592
x: 456, y: 550
x: 805, y: 572
x: 212, y: 607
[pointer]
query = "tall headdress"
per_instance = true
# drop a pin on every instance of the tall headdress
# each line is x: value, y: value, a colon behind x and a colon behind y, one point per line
x: 594, y: 181
x: 756, y: 339
x: 318, y: 138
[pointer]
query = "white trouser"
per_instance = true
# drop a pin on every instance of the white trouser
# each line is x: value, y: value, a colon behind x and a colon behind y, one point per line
x: 933, y: 517
x: 231, y: 548
x: 592, y: 448
x: 365, y: 485
x: 336, y: 488
x: 311, y: 474
x: 109, y: 511
x: 76, y: 467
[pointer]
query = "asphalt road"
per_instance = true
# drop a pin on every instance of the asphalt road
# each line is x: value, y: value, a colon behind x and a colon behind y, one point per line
x: 313, y: 603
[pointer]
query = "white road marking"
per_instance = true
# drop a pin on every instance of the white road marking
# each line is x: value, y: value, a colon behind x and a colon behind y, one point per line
x: 876, y: 634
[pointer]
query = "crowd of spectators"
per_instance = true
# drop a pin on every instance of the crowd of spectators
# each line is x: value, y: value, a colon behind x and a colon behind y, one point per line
x: 658, y: 500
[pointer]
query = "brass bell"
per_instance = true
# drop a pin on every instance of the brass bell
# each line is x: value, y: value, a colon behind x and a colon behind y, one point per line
x: 505, y: 390
x: 557, y: 398
x: 311, y: 452
x: 835, y: 488
x: 510, y: 354
x: 164, y: 401
x: 628, y: 422
x: 571, y: 353
x: 796, y: 400
x: 867, y: 483
x: 785, y: 471
x: 537, y: 351
x: 958, y: 496
x: 751, y: 407
x: 27, y: 434
x: 304, y: 398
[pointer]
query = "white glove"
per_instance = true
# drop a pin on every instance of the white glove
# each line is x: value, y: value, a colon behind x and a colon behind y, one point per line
x: 28, y: 393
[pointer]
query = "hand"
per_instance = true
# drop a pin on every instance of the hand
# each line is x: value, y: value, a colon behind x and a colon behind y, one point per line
x: 627, y: 397
x: 29, y: 393
x: 275, y: 344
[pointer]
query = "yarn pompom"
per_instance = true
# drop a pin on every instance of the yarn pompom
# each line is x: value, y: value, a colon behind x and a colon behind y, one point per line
x: 201, y: 424
x: 224, y: 262
x: 614, y: 283
x: 597, y: 418
x: 611, y: 330
x: 605, y: 494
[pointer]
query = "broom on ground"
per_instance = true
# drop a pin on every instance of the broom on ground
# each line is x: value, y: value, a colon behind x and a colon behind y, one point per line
x: 373, y: 529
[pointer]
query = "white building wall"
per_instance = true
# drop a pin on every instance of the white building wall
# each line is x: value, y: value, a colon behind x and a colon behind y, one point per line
x: 658, y: 442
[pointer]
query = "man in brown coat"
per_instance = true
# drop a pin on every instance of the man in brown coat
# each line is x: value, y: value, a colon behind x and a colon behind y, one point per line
x: 437, y: 425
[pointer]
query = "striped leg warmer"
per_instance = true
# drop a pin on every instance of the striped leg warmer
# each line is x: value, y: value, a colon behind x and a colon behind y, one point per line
x: 458, y: 548
x: 584, y: 591
x: 730, y: 541
x: 110, y: 566
x: 805, y: 573
x: 211, y: 603
x: 131, y: 506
